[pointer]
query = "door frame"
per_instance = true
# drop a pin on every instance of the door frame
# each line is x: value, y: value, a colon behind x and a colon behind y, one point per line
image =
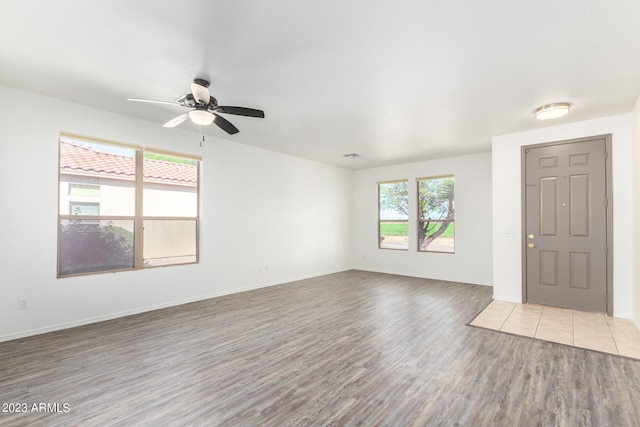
x: 609, y: 198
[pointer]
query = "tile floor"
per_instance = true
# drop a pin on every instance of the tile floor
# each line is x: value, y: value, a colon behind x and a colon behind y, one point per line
x: 593, y: 331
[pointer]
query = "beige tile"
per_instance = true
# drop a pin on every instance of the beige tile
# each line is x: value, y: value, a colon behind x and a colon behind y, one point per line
x: 589, y: 320
x: 555, y: 335
x: 552, y: 308
x: 588, y: 333
x: 598, y: 343
x: 526, y: 330
x: 528, y: 309
x: 629, y: 352
x: 630, y: 343
x: 547, y: 324
x: 557, y: 312
x: 486, y: 324
x: 520, y: 322
x: 606, y: 340
x: 589, y: 326
x: 556, y: 325
x: 592, y: 334
x: 493, y: 317
x: 554, y: 320
x: 626, y: 336
x: 624, y: 323
x: 496, y: 312
x: 519, y: 313
x: 523, y: 320
x: 624, y: 329
x: 502, y: 304
x: 500, y: 307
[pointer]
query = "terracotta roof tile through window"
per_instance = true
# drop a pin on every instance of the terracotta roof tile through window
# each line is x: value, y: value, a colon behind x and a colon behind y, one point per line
x: 79, y: 159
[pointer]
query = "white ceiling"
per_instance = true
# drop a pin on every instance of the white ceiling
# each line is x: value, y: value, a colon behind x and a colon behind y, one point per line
x: 393, y: 81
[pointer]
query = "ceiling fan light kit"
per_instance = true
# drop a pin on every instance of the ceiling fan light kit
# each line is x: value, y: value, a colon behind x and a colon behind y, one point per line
x: 204, y: 108
x: 552, y: 111
x: 201, y: 117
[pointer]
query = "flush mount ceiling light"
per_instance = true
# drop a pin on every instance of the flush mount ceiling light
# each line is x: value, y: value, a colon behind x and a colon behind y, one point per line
x: 201, y: 117
x: 351, y: 155
x: 552, y: 111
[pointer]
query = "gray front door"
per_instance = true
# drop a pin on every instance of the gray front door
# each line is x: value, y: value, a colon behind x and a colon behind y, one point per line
x: 566, y: 225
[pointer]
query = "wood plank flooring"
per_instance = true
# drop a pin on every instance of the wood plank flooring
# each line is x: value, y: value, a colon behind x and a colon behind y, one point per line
x: 353, y: 348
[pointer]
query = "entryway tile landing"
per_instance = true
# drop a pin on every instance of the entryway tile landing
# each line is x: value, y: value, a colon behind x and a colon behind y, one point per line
x: 592, y: 331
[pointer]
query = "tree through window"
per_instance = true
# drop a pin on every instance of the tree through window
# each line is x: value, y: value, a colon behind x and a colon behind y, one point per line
x: 393, y: 215
x: 436, y: 214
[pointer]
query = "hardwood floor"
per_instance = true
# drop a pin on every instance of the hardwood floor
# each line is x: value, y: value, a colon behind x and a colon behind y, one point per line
x: 352, y: 348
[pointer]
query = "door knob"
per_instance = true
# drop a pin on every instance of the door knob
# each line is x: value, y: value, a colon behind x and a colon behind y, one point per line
x: 531, y: 245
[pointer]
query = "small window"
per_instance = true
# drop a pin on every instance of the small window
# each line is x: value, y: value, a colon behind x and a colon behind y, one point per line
x: 124, y: 207
x: 393, y: 215
x: 83, y: 190
x: 436, y: 214
x: 84, y: 208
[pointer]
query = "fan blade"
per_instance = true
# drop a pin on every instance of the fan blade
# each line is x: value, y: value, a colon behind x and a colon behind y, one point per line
x: 176, y: 121
x: 240, y: 111
x: 151, y: 101
x: 225, y: 124
x: 200, y: 93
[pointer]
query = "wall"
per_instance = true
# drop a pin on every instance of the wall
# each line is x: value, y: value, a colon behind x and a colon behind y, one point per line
x: 473, y: 221
x: 266, y: 218
x: 636, y: 213
x: 507, y: 239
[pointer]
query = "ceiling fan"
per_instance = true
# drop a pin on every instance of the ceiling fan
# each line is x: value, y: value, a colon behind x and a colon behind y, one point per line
x: 204, y: 108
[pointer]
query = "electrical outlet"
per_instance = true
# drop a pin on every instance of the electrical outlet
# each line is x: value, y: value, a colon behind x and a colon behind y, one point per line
x: 23, y: 304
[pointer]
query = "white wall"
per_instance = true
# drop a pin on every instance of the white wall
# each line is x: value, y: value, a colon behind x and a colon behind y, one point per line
x: 471, y: 262
x: 507, y: 239
x: 636, y: 212
x: 261, y: 210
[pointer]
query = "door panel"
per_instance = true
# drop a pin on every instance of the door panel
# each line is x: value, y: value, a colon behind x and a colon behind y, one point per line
x: 580, y: 270
x: 548, y: 206
x: 549, y: 268
x: 566, y: 220
x: 579, y: 208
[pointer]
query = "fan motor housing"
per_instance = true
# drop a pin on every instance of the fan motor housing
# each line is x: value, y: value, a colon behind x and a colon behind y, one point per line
x: 201, y: 82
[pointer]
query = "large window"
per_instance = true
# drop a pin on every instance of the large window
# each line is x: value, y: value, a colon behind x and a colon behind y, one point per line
x: 436, y: 214
x: 124, y: 207
x: 393, y: 215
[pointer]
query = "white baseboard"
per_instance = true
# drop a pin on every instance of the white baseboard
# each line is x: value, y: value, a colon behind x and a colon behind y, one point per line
x: 444, y: 278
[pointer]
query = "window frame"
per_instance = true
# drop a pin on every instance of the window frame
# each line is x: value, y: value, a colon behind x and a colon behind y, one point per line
x: 380, y: 221
x: 420, y: 221
x: 138, y: 218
